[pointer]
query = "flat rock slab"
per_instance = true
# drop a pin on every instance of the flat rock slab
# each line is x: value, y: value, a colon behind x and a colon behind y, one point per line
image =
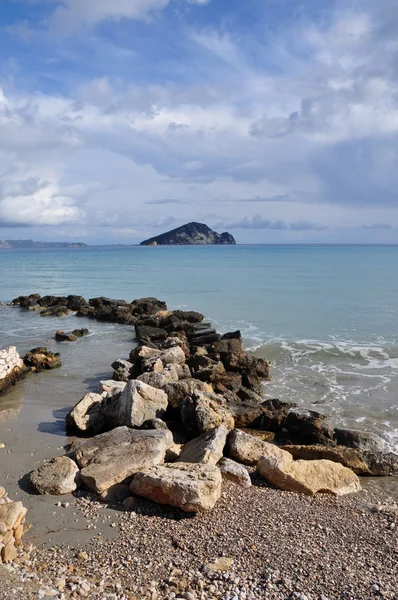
x: 307, y: 476
x: 206, y: 449
x: 235, y: 472
x: 113, y: 457
x: 57, y: 477
x: 190, y: 487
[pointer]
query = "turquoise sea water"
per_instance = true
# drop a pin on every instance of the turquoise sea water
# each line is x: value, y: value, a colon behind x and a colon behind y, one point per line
x: 325, y: 315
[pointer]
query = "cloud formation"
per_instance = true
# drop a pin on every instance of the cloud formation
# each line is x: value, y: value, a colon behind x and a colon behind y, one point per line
x: 152, y: 107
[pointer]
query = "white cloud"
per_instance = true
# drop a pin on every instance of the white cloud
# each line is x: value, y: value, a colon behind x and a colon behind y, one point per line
x: 315, y: 133
x: 70, y: 15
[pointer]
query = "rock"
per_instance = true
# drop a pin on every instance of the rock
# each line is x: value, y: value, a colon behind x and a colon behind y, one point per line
x: 57, y: 477
x: 80, y: 332
x: 360, y: 440
x: 173, y: 452
x: 243, y: 363
x: 362, y: 463
x: 154, y: 424
x: 235, y: 472
x: 203, y: 411
x: 145, y: 334
x: 40, y: 359
x: 55, y: 311
x: 306, y: 476
x: 248, y: 449
x: 136, y: 404
x: 178, y: 391
x: 113, y: 457
x: 11, y: 515
x: 265, y: 436
x: 190, y: 316
x: 111, y: 387
x: 61, y: 336
x: 116, y: 494
x: 124, y: 370
x: 191, y: 487
x: 147, y: 306
x: 11, y: 368
x: 206, y: 449
x: 9, y: 552
x: 88, y: 414
x: 221, y: 565
x: 274, y: 414
x: 169, y: 374
x: 308, y: 427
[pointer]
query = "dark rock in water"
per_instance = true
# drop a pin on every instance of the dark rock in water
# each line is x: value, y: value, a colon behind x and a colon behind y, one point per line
x: 61, y: 336
x: 232, y: 335
x: 75, y: 303
x: 381, y: 463
x: 308, y: 427
x: 26, y: 302
x: 275, y: 414
x: 190, y: 316
x: 59, y: 310
x: 80, y: 332
x: 358, y: 439
x: 49, y: 301
x: 147, y: 306
x: 362, y: 463
x: 190, y: 234
x: 73, y: 336
x: 144, y: 334
x: 40, y: 359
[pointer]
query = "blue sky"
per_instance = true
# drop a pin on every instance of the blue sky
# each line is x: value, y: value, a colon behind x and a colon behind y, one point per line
x: 274, y: 119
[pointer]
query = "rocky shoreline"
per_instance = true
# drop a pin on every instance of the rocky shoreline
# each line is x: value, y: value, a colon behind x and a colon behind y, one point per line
x: 183, y: 428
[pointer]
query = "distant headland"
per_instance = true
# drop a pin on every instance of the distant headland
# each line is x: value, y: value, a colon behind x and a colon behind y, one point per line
x: 189, y: 235
x: 15, y: 244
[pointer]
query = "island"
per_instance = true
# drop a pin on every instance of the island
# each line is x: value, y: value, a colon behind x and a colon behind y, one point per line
x: 189, y: 235
x: 27, y: 244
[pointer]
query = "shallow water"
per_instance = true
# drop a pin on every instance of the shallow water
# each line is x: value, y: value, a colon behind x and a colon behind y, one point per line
x: 325, y: 316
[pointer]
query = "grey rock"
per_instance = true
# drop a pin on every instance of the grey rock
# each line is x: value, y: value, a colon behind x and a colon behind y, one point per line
x: 137, y: 403
x: 57, y: 477
x: 235, y: 472
x: 205, y: 449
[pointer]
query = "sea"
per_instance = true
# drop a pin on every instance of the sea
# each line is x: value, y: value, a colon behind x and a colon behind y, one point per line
x: 326, y: 316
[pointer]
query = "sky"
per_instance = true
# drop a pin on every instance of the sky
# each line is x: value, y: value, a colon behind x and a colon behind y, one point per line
x: 275, y: 120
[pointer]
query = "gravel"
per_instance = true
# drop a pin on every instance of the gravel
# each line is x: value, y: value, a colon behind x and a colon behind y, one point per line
x: 273, y: 545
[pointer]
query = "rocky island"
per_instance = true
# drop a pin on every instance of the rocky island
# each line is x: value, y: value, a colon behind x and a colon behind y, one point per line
x: 191, y: 234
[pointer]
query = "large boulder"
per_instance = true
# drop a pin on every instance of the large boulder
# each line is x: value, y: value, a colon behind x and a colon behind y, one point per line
x: 362, y: 463
x: 88, y: 415
x: 113, y: 457
x: 360, y: 440
x: 203, y: 411
x: 235, y: 472
x: 178, y: 391
x: 147, y: 306
x: 308, y: 427
x: 206, y: 449
x: 190, y: 487
x: 306, y: 476
x: 136, y: 404
x: 169, y: 374
x: 41, y: 359
x: 57, y: 477
x: 11, y: 367
x: 248, y: 449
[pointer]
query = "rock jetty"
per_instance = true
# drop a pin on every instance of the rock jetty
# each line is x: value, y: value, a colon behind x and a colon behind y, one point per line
x: 186, y: 410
